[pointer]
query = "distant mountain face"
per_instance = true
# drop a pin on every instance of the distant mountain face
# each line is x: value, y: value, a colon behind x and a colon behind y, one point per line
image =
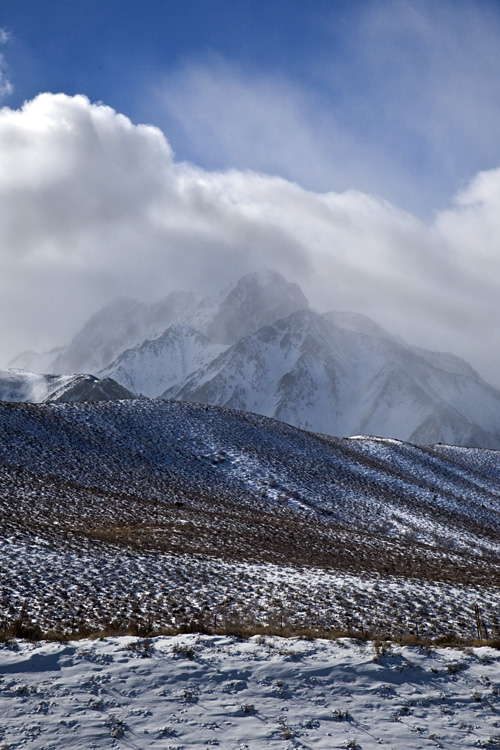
x: 258, y: 347
x: 160, y: 363
x: 21, y: 386
x: 258, y: 299
x: 119, y: 326
x: 315, y: 375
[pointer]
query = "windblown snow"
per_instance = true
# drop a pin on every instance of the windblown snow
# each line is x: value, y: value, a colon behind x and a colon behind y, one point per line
x: 19, y: 386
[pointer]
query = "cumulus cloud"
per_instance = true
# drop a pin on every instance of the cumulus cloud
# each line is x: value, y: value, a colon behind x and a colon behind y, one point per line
x: 95, y: 207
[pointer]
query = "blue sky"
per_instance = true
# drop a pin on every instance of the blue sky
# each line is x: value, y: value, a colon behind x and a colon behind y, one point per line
x: 352, y: 145
x: 393, y: 98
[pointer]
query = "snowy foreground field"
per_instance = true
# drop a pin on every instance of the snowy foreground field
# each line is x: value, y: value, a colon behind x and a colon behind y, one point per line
x: 196, y: 691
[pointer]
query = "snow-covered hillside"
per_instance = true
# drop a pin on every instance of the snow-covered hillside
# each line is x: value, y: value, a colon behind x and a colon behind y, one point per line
x: 199, y: 691
x: 231, y: 514
x: 19, y: 386
x: 149, y: 516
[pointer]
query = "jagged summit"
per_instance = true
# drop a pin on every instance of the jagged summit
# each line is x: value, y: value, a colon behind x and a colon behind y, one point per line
x: 157, y: 364
x: 257, y: 299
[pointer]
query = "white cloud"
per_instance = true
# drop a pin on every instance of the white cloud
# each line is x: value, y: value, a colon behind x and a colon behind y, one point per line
x: 225, y: 117
x: 399, y: 99
x: 95, y: 207
x: 6, y: 87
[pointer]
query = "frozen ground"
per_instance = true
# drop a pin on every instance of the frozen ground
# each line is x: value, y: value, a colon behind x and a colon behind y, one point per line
x: 97, y: 586
x: 145, y: 517
x: 172, y: 515
x: 198, y: 691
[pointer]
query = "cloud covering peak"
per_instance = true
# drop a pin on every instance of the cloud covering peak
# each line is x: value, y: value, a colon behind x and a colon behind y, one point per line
x: 95, y: 207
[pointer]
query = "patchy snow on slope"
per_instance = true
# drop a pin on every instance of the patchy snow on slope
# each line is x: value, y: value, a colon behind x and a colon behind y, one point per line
x: 230, y: 512
x: 19, y: 385
x: 199, y: 691
x: 93, y: 583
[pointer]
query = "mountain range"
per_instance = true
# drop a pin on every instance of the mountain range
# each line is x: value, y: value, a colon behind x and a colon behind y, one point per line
x: 258, y: 346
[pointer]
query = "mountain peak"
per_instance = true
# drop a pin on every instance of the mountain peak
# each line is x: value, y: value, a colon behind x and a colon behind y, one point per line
x: 265, y: 281
x: 256, y: 300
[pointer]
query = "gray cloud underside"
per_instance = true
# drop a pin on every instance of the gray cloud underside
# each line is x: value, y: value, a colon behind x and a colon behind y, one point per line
x: 94, y: 207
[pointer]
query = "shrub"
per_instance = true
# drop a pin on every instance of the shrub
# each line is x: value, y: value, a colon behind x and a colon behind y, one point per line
x: 141, y: 647
x: 181, y: 649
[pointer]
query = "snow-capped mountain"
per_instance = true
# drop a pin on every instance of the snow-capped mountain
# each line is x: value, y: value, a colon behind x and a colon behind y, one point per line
x: 118, y: 326
x: 306, y: 371
x: 258, y: 299
x: 160, y: 363
x: 258, y: 347
x: 255, y: 300
x: 21, y: 386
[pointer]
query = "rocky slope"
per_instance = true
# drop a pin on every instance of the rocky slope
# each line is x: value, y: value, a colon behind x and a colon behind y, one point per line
x: 20, y: 386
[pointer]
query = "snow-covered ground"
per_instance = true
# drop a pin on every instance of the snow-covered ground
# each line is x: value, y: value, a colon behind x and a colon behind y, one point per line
x: 199, y: 691
x: 168, y: 513
x: 99, y: 586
